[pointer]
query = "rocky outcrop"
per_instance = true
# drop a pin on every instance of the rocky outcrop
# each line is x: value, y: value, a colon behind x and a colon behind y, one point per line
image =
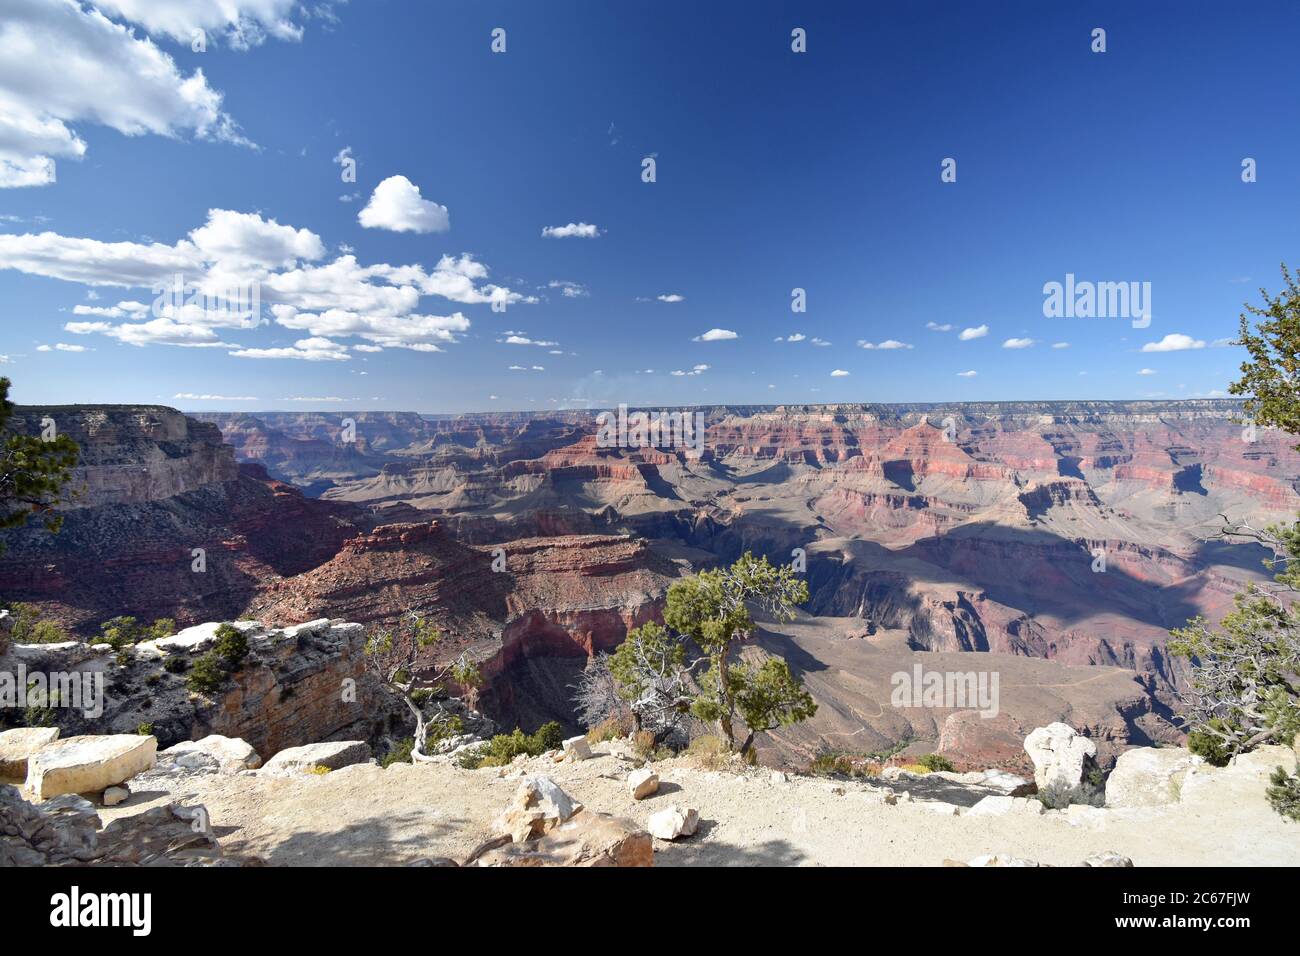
x: 1149, y: 777
x: 88, y: 764
x: 1061, y: 756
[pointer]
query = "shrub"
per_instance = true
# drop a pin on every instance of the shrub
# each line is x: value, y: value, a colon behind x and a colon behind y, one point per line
x: 611, y: 728
x: 448, y: 726
x: 1284, y: 793
x: 318, y: 771
x: 205, y: 674
x: 28, y: 628
x: 231, y: 646
x: 502, y: 749
x: 144, y: 730
x: 176, y: 664
x: 1090, y: 792
x: 1210, y: 747
x: 936, y: 762
x: 401, y: 752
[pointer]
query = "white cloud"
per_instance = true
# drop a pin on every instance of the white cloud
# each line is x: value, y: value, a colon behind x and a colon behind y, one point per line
x: 306, y: 398
x: 716, y: 335
x: 243, y: 23
x: 64, y: 63
x: 671, y: 297
x: 1060, y: 345
x: 518, y: 338
x: 574, y: 230
x: 820, y: 343
x: 977, y: 332
x: 570, y: 290
x: 887, y: 345
x: 936, y: 327
x: 61, y: 347
x: 839, y: 373
x: 696, y: 370
x: 190, y: 396
x: 396, y: 205
x: 308, y: 350
x: 1147, y: 371
x: 794, y: 337
x: 1017, y: 343
x: 1174, y: 342
x: 969, y: 373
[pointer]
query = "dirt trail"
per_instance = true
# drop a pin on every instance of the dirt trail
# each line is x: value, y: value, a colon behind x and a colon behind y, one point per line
x: 365, y: 815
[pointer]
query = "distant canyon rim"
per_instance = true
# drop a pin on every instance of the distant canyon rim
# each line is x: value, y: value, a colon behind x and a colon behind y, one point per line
x: 1055, y: 543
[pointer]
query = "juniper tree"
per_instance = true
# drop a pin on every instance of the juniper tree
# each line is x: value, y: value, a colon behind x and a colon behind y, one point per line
x: 34, y: 471
x: 1245, y: 679
x: 712, y: 608
x: 392, y: 655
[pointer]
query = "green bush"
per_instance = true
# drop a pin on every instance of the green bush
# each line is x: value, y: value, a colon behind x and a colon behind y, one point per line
x: 29, y: 628
x: 1284, y: 793
x: 205, y: 674
x: 935, y: 762
x: 176, y: 664
x: 144, y: 730
x: 401, y: 753
x: 231, y: 646
x: 1209, y: 747
x: 502, y: 749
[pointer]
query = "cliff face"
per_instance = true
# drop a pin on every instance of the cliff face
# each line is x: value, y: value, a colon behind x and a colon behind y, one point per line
x: 164, y: 523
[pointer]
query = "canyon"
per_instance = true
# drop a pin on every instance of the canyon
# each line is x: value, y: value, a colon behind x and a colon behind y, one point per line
x: 1054, y: 542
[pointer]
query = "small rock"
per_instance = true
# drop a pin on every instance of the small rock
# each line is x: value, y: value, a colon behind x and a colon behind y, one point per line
x: 588, y: 839
x: 999, y: 806
x: 115, y: 795
x: 676, y: 821
x: 642, y: 783
x: 1109, y: 858
x: 538, y: 805
x: 576, y: 748
x: 779, y: 777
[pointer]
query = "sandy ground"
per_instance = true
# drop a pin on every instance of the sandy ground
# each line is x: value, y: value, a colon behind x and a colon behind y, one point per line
x: 365, y: 815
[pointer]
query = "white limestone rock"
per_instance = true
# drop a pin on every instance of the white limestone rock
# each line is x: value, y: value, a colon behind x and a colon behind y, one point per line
x: 18, y: 745
x: 88, y: 764
x: 676, y: 821
x: 1060, y: 754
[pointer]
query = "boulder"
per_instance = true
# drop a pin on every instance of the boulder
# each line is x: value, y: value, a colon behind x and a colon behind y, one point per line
x: 88, y: 764
x: 538, y: 805
x: 331, y: 756
x: 1007, y: 783
x: 642, y: 783
x: 115, y: 795
x: 63, y: 830
x: 1149, y: 776
x: 587, y: 839
x: 230, y: 753
x: 577, y: 748
x: 16, y: 746
x: 1108, y: 858
x: 1060, y: 754
x: 1000, y: 806
x: 676, y: 821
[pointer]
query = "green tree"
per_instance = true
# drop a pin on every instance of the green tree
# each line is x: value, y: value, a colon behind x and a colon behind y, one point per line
x: 712, y: 608
x: 33, y: 471
x: 1245, y: 680
x: 1271, y: 379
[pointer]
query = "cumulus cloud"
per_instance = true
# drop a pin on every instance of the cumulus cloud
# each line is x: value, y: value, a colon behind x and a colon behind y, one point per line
x: 190, y: 396
x: 1146, y: 371
x: 61, y: 347
x: 839, y: 373
x: 969, y: 373
x: 308, y: 350
x: 716, y: 335
x: 63, y: 63
x: 396, y: 205
x: 574, y: 230
x: 696, y: 370
x: 976, y: 332
x: 671, y: 297
x: 242, y: 23
x: 1017, y: 343
x: 1174, y: 342
x: 518, y: 338
x: 1060, y: 345
x: 887, y: 345
x: 936, y: 327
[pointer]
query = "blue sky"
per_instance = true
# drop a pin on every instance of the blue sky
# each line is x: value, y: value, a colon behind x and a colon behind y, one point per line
x: 775, y: 170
